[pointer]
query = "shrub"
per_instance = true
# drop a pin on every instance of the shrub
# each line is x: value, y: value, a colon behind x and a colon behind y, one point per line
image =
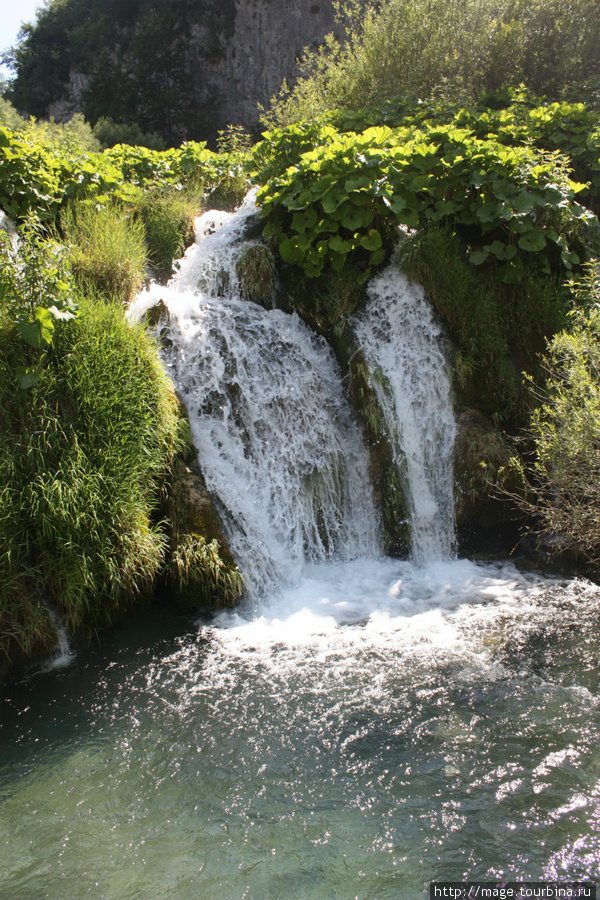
x: 421, y: 48
x: 82, y: 457
x: 168, y: 213
x: 108, y: 133
x: 561, y: 485
x: 107, y: 250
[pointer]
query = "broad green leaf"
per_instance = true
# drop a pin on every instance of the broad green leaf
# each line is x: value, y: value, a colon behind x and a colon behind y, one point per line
x: 332, y: 200
x: 372, y: 241
x: 339, y: 245
x: 477, y: 257
x: 303, y: 220
x: 38, y: 334
x: 359, y: 218
x: 290, y: 252
x: 27, y: 376
x: 533, y: 240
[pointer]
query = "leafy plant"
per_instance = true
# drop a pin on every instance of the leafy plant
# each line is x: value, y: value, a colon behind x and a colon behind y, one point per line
x: 350, y: 193
x: 36, y: 293
x: 560, y: 486
x: 456, y: 51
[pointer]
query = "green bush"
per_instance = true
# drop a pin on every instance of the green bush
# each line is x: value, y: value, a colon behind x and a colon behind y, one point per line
x: 108, y: 133
x: 83, y: 454
x: 168, y: 213
x: 107, y: 250
x: 561, y: 486
x: 423, y: 48
x: 349, y: 193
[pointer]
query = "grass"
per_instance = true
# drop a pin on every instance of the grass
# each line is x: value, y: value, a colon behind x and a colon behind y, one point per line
x: 83, y: 455
x: 255, y: 269
x: 107, y: 248
x: 167, y: 213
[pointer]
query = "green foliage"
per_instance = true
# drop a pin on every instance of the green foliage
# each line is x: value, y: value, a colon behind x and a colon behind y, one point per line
x: 37, y: 175
x: 36, y: 294
x: 562, y: 484
x: 421, y: 48
x: 515, y: 205
x: 196, y: 568
x: 168, y: 212
x: 107, y: 250
x: 497, y: 328
x: 82, y: 457
x: 108, y: 133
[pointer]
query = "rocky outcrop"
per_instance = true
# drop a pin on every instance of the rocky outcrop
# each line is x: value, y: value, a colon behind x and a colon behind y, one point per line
x: 267, y: 42
x: 183, y: 70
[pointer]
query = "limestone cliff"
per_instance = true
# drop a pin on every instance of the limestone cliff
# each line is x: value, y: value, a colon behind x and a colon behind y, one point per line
x: 184, y: 69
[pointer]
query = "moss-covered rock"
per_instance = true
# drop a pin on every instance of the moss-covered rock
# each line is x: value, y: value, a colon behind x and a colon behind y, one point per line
x: 255, y: 269
x: 484, y: 519
x: 201, y: 570
x: 385, y: 468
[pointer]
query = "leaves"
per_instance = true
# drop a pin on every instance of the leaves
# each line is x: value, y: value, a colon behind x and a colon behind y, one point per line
x: 357, y: 188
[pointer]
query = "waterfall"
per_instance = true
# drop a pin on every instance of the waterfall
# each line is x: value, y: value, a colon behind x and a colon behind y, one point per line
x: 63, y: 654
x: 275, y: 438
x: 402, y: 344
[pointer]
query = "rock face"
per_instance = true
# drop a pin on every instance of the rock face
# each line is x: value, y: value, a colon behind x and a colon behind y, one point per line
x: 184, y: 69
x: 268, y: 39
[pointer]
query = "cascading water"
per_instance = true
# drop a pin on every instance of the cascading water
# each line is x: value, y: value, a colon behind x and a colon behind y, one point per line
x: 360, y: 731
x: 402, y: 346
x: 277, y: 445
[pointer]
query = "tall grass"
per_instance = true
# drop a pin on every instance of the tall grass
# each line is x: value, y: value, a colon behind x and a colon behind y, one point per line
x: 82, y: 458
x: 167, y: 212
x: 107, y: 249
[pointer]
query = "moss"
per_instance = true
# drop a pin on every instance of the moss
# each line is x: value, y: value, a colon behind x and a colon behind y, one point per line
x: 325, y: 301
x: 498, y: 329
x: 386, y: 469
x: 201, y: 570
x: 255, y: 269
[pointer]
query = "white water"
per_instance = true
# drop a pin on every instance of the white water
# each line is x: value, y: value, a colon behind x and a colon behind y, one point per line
x: 366, y: 727
x: 63, y: 654
x: 402, y: 342
x: 276, y: 442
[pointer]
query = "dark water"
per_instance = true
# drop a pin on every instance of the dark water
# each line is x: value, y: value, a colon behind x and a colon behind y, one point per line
x: 377, y: 728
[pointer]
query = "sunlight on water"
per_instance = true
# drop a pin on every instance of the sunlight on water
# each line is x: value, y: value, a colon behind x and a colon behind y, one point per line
x: 377, y: 727
x: 360, y: 726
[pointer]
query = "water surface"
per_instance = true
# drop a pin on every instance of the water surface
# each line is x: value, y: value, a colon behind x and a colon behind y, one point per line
x: 369, y: 730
